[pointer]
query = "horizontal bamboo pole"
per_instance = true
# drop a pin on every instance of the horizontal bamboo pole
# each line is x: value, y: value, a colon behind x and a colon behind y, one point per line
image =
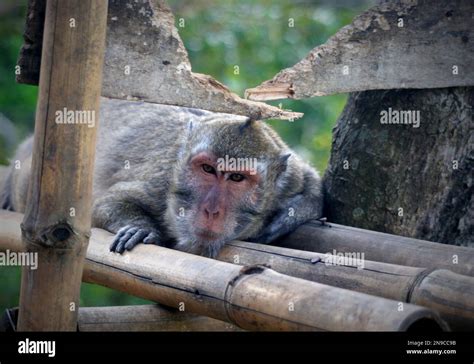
x: 134, y: 318
x: 253, y: 297
x: 381, y: 247
x: 450, y: 294
x: 146, y: 318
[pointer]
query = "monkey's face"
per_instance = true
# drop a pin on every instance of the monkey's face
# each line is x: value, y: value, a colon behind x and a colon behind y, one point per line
x: 217, y: 203
x: 219, y: 188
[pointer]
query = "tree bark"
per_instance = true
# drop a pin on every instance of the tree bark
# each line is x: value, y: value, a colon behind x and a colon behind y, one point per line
x: 398, y: 178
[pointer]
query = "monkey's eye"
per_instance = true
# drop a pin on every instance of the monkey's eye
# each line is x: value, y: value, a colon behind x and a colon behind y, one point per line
x: 236, y: 177
x: 208, y: 169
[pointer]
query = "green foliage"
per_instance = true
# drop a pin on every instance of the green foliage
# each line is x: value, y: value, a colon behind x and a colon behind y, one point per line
x: 261, y: 38
x: 10, y: 278
x: 94, y: 295
x: 17, y: 102
x: 91, y: 294
x: 256, y: 36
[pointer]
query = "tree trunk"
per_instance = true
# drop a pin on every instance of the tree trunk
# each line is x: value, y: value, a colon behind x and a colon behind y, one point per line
x: 403, y: 179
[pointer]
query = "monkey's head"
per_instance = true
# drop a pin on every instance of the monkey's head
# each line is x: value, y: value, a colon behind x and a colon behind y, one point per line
x: 228, y: 173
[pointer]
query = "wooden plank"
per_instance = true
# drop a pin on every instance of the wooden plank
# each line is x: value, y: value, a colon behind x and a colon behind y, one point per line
x: 394, y: 45
x: 146, y: 60
x: 56, y: 225
x: 251, y: 297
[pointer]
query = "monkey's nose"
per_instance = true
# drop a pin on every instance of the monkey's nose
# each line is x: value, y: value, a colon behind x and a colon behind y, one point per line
x: 211, y: 214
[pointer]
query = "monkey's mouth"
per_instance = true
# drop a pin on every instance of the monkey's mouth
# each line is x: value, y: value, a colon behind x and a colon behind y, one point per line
x: 207, y: 235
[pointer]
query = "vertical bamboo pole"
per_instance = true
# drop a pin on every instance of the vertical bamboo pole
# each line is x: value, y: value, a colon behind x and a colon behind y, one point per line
x: 57, y: 219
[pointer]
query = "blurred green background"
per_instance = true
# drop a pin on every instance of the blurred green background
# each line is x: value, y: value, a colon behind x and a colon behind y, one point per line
x: 252, y: 34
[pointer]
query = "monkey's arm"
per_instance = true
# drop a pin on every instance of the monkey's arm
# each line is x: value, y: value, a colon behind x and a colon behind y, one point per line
x: 121, y: 210
x: 295, y: 209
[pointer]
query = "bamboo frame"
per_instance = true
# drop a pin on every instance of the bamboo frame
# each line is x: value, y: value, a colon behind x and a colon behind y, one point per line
x: 380, y: 247
x: 133, y: 318
x: 252, y: 297
x: 450, y: 294
x: 62, y: 164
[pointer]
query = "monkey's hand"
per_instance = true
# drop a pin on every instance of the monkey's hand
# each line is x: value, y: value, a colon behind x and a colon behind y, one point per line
x: 298, y: 210
x: 281, y: 224
x: 121, y: 210
x: 129, y: 236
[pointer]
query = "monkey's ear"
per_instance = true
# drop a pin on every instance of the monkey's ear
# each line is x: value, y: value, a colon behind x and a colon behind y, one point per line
x: 247, y: 124
x: 283, y: 162
x: 284, y: 158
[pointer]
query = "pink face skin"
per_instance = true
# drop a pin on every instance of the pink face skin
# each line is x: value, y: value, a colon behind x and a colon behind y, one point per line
x: 221, y: 191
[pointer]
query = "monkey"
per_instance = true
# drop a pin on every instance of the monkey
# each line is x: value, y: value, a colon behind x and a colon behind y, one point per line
x: 169, y: 176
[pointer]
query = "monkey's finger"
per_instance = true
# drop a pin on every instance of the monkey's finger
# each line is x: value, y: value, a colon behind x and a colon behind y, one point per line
x: 121, y: 244
x: 135, y: 239
x: 118, y: 236
x: 123, y: 240
x: 152, y: 238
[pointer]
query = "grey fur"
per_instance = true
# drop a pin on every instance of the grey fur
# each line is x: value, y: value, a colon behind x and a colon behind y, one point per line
x: 141, y: 203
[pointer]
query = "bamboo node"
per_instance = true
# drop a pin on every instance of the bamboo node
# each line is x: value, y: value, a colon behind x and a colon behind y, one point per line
x: 244, y: 271
x: 417, y: 282
x: 61, y: 233
x: 57, y: 234
x: 247, y: 270
x: 253, y: 269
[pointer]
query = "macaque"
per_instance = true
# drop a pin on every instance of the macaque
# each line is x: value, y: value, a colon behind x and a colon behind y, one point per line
x: 188, y: 179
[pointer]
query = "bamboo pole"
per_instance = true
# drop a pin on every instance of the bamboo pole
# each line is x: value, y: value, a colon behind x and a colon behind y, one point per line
x: 380, y: 247
x: 252, y: 297
x: 450, y: 294
x: 146, y: 318
x: 133, y: 318
x: 58, y: 214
